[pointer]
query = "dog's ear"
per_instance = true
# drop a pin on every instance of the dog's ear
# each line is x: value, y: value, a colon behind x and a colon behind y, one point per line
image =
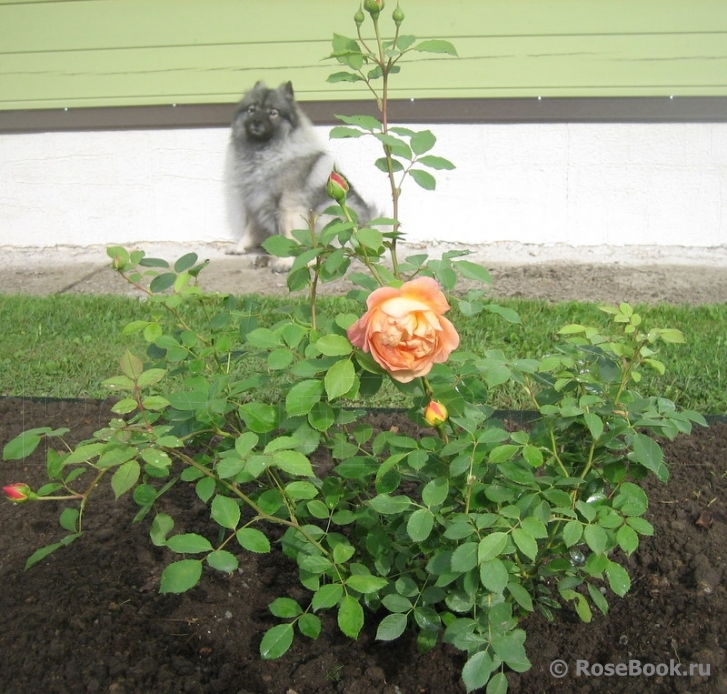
x: 287, y: 90
x: 259, y: 85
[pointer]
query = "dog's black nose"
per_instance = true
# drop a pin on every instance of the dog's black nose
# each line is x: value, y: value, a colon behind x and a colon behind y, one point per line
x: 258, y: 127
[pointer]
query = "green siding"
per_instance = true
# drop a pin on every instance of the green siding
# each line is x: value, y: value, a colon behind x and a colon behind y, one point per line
x: 81, y: 53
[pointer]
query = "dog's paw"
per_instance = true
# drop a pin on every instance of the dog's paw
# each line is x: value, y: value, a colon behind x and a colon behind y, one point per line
x: 282, y: 265
x: 260, y: 260
x: 245, y: 245
x: 242, y: 250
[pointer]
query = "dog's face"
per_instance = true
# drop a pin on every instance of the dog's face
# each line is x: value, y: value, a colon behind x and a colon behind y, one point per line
x: 265, y: 114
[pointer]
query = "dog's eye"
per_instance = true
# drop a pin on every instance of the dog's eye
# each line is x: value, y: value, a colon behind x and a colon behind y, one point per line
x: 252, y: 108
x: 273, y: 112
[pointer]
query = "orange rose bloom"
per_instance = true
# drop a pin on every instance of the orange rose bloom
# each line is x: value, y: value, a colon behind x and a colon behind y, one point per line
x: 404, y: 329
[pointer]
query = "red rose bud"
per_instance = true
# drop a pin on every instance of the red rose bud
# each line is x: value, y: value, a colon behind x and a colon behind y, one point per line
x: 398, y: 16
x: 337, y: 187
x: 374, y: 7
x: 18, y: 492
x: 435, y: 414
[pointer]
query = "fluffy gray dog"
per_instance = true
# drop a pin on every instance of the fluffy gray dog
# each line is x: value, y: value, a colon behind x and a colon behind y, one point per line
x: 277, y: 170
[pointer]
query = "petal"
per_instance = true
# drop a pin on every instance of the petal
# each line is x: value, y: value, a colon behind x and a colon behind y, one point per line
x: 378, y: 296
x: 357, y: 334
x: 427, y: 291
x: 400, y: 306
x: 449, y: 337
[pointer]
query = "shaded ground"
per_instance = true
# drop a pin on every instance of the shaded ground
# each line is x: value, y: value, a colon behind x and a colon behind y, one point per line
x: 90, y: 619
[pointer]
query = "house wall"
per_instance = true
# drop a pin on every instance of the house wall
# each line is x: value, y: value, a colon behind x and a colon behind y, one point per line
x: 571, y: 183
x: 81, y: 53
x: 626, y: 181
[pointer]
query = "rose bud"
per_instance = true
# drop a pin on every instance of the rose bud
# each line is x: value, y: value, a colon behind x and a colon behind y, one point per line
x: 374, y: 7
x: 18, y: 492
x: 359, y: 17
x: 117, y: 263
x: 398, y: 16
x: 405, y: 329
x: 435, y: 414
x: 337, y: 187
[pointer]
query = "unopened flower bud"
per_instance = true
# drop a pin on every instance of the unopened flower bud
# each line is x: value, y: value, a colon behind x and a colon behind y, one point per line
x: 18, y: 493
x: 374, y: 7
x: 435, y: 414
x: 337, y: 187
x: 359, y: 17
x: 398, y: 16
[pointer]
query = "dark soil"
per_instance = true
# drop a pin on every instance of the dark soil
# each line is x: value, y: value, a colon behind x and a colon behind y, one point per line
x: 90, y: 618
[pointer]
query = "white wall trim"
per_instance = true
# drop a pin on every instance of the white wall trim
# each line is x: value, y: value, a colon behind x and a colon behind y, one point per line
x: 571, y: 184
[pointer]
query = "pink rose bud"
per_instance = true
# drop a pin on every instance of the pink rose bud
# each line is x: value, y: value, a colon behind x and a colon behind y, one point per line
x: 435, y: 414
x: 18, y: 492
x: 337, y: 187
x: 374, y: 7
x: 398, y: 16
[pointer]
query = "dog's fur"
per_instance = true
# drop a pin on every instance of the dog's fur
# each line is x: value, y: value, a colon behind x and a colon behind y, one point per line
x: 277, y: 170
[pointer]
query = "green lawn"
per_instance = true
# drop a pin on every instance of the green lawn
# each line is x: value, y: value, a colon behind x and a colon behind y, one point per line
x: 64, y: 346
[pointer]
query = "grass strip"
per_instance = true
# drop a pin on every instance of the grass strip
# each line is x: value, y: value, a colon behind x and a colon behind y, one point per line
x: 64, y: 346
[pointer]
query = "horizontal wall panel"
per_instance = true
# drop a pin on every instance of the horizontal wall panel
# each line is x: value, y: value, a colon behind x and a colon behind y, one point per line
x: 90, y: 24
x: 493, y: 68
x: 430, y: 111
x: 101, y: 53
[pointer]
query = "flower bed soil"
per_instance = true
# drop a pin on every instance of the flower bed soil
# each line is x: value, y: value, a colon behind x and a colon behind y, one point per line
x: 90, y: 618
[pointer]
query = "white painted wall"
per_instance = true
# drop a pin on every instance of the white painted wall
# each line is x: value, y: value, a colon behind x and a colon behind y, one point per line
x: 573, y: 184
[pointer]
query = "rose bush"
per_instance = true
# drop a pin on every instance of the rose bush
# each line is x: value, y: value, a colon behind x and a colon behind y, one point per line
x: 457, y: 532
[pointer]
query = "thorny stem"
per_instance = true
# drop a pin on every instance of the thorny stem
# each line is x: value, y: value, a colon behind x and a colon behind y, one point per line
x: 551, y: 432
x: 628, y: 366
x: 382, y: 103
x: 83, y: 496
x: 316, y: 273
x: 385, y: 66
x: 554, y: 449
x: 313, y: 292
x: 273, y: 477
x: 261, y: 515
x: 365, y: 45
x: 471, y: 479
x: 66, y: 497
x: 364, y: 253
x: 171, y: 310
x: 87, y: 494
x: 589, y: 462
